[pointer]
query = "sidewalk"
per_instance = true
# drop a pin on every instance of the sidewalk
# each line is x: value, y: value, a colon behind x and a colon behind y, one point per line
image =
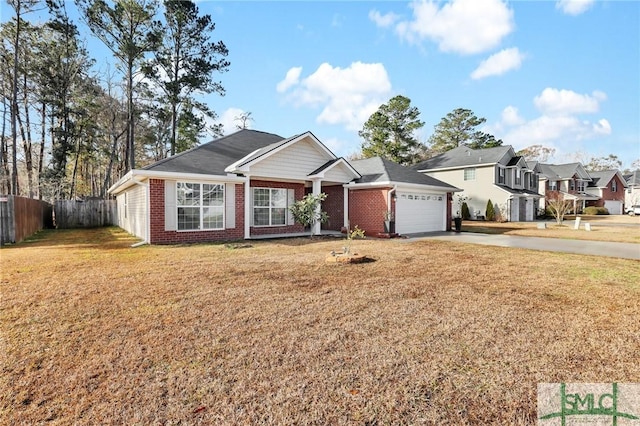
x: 592, y: 248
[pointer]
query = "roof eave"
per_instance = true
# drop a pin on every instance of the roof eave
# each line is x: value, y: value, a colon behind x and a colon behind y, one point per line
x: 138, y: 175
x: 444, y: 169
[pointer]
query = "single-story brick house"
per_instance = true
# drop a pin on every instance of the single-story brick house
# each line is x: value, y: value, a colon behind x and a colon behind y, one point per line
x: 241, y: 185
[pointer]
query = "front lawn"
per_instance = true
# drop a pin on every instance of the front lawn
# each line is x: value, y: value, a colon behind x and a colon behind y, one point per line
x: 622, y: 229
x: 431, y: 332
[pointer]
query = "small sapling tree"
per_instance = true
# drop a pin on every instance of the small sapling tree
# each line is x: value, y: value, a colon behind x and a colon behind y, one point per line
x: 558, y: 206
x: 307, y: 212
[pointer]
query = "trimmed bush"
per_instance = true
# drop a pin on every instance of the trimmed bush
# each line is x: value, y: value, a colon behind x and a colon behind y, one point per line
x: 595, y: 210
x: 490, y: 214
x: 465, y: 211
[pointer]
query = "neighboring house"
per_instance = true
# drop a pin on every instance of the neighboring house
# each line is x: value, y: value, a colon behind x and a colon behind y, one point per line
x: 567, y: 180
x: 632, y: 193
x: 240, y: 187
x: 495, y: 174
x: 609, y: 186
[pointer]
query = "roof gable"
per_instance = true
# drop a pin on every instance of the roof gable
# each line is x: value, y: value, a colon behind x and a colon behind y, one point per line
x: 563, y: 171
x: 299, y: 157
x: 464, y: 156
x: 380, y: 170
x: 602, y: 178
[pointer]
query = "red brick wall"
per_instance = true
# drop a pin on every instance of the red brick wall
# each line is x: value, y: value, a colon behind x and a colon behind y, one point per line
x: 160, y: 236
x: 270, y: 230
x: 367, y: 208
x: 607, y: 194
x: 334, y: 206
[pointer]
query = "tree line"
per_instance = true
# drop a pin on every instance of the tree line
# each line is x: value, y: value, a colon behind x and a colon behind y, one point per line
x: 68, y: 130
x: 390, y: 132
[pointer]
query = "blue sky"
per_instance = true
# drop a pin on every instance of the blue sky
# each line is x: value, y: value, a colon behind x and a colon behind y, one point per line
x: 562, y: 74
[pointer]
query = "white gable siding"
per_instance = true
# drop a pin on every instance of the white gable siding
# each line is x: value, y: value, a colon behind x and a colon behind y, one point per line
x: 338, y: 174
x: 293, y: 162
x: 132, y: 217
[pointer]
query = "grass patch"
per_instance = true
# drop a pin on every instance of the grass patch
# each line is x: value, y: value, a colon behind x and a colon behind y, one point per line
x: 96, y: 332
x: 604, y: 230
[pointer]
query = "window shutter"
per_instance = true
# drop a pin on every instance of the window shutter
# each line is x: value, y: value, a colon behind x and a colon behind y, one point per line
x: 170, y: 211
x: 291, y: 199
x: 230, y: 205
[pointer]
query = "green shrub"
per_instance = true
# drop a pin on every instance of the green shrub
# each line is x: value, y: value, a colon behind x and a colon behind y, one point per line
x: 490, y: 214
x: 595, y: 210
x: 465, y: 211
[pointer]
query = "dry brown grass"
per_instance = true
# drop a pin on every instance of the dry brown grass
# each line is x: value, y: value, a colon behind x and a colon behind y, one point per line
x: 623, y: 229
x: 95, y: 332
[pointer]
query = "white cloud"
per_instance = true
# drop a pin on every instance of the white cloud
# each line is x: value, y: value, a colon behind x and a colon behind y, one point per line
x: 347, y: 96
x: 563, y: 102
x: 383, y: 21
x: 574, y: 7
x: 460, y: 26
x: 499, y: 63
x: 291, y: 79
x: 229, y: 121
x: 511, y: 116
x: 558, y: 126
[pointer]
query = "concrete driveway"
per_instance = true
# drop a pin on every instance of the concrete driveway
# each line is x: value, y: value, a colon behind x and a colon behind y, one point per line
x: 592, y: 248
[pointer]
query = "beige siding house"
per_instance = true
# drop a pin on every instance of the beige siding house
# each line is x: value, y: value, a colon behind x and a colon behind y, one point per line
x: 495, y: 174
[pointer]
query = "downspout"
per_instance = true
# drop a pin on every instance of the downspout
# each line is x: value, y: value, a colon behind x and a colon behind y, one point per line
x: 389, y: 194
x: 148, y: 225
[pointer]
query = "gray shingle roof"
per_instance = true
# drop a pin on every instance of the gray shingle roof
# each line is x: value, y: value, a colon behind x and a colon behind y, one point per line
x: 213, y: 157
x: 378, y: 169
x: 600, y: 179
x: 558, y: 171
x: 464, y: 156
x: 633, y: 179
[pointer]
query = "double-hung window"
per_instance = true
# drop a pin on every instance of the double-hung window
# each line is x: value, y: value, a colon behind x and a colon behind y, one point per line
x: 470, y: 173
x: 501, y: 175
x: 614, y: 186
x: 518, y: 177
x: 553, y: 185
x: 269, y: 206
x: 200, y: 206
x: 580, y: 185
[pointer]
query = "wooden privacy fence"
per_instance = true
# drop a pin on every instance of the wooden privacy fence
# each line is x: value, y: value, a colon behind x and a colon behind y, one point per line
x: 21, y: 217
x: 90, y: 213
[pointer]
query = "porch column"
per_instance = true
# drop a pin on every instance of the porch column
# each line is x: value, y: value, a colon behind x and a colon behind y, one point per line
x: 345, y: 201
x: 317, y: 189
x: 247, y: 208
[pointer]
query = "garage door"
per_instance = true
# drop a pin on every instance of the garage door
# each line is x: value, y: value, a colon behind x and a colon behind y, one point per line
x: 420, y: 212
x: 614, y: 207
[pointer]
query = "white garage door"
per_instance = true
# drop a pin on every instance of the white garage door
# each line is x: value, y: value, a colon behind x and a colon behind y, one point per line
x: 614, y: 207
x: 420, y: 212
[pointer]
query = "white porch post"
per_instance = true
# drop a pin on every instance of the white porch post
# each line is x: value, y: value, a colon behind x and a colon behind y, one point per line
x: 317, y: 188
x: 345, y: 220
x: 247, y: 208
